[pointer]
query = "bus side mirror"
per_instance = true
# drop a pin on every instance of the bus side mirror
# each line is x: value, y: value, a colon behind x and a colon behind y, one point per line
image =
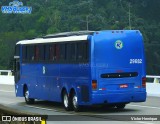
x: 13, y: 72
x: 12, y: 66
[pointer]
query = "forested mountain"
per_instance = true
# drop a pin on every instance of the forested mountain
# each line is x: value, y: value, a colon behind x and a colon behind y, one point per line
x: 52, y: 16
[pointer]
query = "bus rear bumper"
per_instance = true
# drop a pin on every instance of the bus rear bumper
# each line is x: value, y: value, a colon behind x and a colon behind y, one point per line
x: 111, y: 98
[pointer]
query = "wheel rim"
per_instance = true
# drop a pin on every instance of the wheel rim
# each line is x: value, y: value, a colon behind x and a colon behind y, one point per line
x: 65, y: 99
x: 27, y: 95
x: 75, y: 101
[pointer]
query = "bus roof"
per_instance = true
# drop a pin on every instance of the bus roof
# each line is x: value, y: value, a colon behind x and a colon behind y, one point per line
x: 51, y: 40
x: 67, y: 34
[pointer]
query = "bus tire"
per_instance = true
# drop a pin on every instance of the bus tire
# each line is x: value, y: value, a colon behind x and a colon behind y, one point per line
x: 76, y: 107
x: 120, y: 106
x: 66, y: 101
x: 26, y: 96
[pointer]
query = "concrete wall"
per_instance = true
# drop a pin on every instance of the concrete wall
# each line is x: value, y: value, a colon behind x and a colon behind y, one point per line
x: 8, y: 80
x: 153, y: 89
x: 6, y: 77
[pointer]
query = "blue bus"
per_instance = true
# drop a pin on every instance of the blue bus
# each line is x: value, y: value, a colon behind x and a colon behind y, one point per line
x: 82, y: 68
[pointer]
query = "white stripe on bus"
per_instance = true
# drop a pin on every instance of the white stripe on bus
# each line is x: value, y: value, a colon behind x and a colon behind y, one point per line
x: 51, y: 40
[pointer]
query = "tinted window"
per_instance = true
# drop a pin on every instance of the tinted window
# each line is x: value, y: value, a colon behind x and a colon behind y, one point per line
x: 71, y: 52
x: 52, y: 52
x: 30, y: 53
x: 80, y: 51
x: 83, y: 51
x: 62, y: 53
x: 47, y: 52
x: 17, y: 50
x: 68, y: 52
x: 57, y: 52
x: 36, y: 53
x: 86, y: 51
x: 24, y: 53
x: 41, y: 52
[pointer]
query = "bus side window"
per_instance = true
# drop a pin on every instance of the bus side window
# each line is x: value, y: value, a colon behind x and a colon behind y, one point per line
x: 68, y: 52
x: 41, y: 52
x: 52, y: 52
x: 86, y: 51
x: 27, y: 54
x: 80, y: 52
x: 36, y: 56
x: 30, y: 53
x: 71, y: 52
x: 17, y: 50
x: 47, y: 52
x: 24, y: 53
x: 57, y: 52
x: 62, y: 53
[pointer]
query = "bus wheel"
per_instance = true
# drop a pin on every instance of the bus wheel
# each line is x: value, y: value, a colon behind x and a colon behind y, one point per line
x: 27, y: 99
x: 66, y: 101
x: 76, y: 107
x: 120, y: 106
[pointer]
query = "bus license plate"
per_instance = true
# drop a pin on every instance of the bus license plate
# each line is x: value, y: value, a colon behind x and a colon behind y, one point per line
x: 124, y: 86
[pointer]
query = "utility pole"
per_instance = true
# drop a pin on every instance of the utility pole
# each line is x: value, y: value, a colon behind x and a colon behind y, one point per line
x: 129, y: 17
x: 87, y: 21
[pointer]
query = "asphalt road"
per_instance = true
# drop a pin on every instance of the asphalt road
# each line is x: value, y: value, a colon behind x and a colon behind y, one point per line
x: 89, y: 115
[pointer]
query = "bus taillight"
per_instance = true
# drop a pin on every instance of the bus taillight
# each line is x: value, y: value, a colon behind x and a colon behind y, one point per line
x: 144, y: 82
x: 94, y: 84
